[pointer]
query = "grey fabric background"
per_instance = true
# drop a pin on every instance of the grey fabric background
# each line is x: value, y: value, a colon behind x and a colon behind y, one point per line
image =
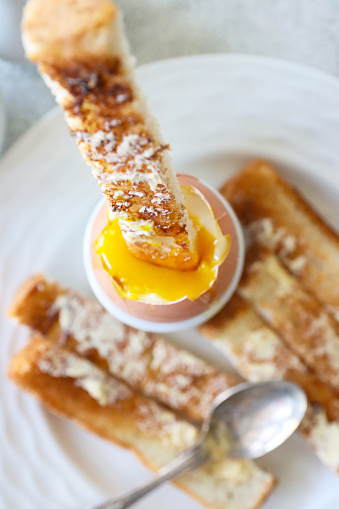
x: 305, y: 31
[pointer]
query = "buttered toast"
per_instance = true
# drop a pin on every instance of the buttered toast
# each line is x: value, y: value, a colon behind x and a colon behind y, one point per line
x: 148, y: 363
x: 172, y: 376
x: 259, y: 354
x: 82, y: 53
x: 281, y: 323
x: 276, y: 216
x: 114, y: 380
x: 303, y: 322
x: 75, y: 388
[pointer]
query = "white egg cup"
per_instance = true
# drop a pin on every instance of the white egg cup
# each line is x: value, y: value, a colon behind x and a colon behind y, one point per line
x: 178, y: 315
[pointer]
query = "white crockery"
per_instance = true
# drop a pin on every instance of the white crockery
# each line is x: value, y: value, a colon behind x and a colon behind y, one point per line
x: 218, y: 112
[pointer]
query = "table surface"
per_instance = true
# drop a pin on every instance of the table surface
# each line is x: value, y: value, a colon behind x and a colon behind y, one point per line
x: 304, y: 31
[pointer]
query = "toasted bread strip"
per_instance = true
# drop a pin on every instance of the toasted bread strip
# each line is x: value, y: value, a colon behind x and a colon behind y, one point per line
x: 180, y: 380
x: 322, y: 436
x: 82, y: 53
x: 75, y: 388
x: 148, y: 363
x: 278, y: 217
x: 302, y: 321
x: 259, y: 354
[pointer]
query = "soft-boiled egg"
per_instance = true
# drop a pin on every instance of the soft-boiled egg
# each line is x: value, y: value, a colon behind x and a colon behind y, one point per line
x: 156, y: 298
x: 139, y: 280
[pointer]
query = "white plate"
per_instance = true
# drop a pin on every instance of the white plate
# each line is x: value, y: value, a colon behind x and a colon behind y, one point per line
x: 218, y: 112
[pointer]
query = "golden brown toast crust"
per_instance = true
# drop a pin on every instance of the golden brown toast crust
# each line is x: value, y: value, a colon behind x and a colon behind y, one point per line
x: 33, y: 291
x: 88, y: 68
x: 276, y: 215
x: 64, y: 38
x: 155, y: 434
x: 148, y: 363
x: 302, y: 321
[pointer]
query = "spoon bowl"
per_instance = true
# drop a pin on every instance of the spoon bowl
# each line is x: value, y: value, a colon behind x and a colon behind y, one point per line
x: 254, y: 419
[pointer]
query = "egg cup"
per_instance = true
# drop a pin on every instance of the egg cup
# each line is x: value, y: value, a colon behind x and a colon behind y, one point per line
x: 183, y: 313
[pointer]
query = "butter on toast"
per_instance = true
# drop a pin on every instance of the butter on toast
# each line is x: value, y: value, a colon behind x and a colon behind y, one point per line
x: 301, y: 320
x: 146, y: 362
x: 75, y: 388
x: 153, y: 366
x: 259, y: 354
x: 82, y: 53
x: 277, y: 216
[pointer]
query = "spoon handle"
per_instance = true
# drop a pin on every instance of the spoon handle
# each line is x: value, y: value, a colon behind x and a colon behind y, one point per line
x: 189, y: 460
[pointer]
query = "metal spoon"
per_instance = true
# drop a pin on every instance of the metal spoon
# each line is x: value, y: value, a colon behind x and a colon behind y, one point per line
x: 246, y: 421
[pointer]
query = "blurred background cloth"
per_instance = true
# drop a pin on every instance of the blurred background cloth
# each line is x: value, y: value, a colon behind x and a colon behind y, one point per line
x: 304, y: 31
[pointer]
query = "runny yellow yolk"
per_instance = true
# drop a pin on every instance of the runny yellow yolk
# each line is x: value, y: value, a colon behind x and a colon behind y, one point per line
x: 138, y: 280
